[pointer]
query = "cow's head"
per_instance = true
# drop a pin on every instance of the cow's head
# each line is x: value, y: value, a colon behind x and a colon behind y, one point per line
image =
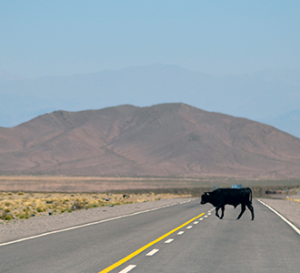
x: 205, y: 198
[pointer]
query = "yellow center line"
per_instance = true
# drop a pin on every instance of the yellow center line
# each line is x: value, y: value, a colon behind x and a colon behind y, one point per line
x: 135, y: 253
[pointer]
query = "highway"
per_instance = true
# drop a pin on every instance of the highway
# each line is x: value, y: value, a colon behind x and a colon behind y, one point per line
x: 181, y: 238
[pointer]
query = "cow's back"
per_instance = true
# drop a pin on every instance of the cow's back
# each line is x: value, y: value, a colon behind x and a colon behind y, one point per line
x: 233, y: 196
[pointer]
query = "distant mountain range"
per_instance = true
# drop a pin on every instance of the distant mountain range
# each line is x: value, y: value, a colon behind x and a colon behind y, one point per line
x: 265, y: 96
x: 289, y: 122
x: 162, y: 140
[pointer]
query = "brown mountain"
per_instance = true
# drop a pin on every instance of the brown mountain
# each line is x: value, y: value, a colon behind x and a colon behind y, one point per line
x: 162, y: 140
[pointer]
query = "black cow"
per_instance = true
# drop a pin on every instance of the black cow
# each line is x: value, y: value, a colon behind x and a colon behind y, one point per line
x: 221, y: 197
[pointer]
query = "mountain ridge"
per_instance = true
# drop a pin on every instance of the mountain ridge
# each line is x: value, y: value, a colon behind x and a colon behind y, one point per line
x: 172, y: 139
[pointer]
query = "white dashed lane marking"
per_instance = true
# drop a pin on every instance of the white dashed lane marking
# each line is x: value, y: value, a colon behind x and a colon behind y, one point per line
x: 128, y: 268
x: 152, y: 252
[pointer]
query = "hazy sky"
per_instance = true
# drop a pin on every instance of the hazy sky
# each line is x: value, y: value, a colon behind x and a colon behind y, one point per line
x: 39, y: 38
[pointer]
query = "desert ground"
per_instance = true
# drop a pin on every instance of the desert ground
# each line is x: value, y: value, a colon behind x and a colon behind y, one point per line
x: 104, y: 184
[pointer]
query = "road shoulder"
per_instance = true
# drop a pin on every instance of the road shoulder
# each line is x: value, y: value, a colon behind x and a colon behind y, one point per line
x: 289, y: 209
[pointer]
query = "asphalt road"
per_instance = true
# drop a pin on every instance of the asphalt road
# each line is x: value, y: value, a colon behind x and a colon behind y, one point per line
x: 266, y: 244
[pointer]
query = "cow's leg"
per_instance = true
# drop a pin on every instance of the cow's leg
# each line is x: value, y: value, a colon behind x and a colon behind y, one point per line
x: 223, y: 208
x: 251, y: 209
x: 243, y: 210
x: 217, y: 209
x: 217, y: 214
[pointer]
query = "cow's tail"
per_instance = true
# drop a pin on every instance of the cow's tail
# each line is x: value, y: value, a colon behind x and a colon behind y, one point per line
x: 250, y: 196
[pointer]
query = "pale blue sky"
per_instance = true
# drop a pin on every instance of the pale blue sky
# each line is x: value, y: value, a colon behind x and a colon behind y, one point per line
x: 39, y: 38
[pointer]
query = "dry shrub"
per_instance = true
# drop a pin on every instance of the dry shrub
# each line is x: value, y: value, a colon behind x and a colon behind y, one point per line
x: 25, y: 204
x: 293, y: 199
x: 6, y: 216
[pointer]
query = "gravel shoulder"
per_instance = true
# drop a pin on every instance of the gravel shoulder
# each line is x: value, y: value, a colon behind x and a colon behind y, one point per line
x: 289, y: 209
x: 24, y: 228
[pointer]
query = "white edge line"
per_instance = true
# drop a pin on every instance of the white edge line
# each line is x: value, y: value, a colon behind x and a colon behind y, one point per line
x: 282, y: 217
x: 90, y: 224
x: 128, y: 268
